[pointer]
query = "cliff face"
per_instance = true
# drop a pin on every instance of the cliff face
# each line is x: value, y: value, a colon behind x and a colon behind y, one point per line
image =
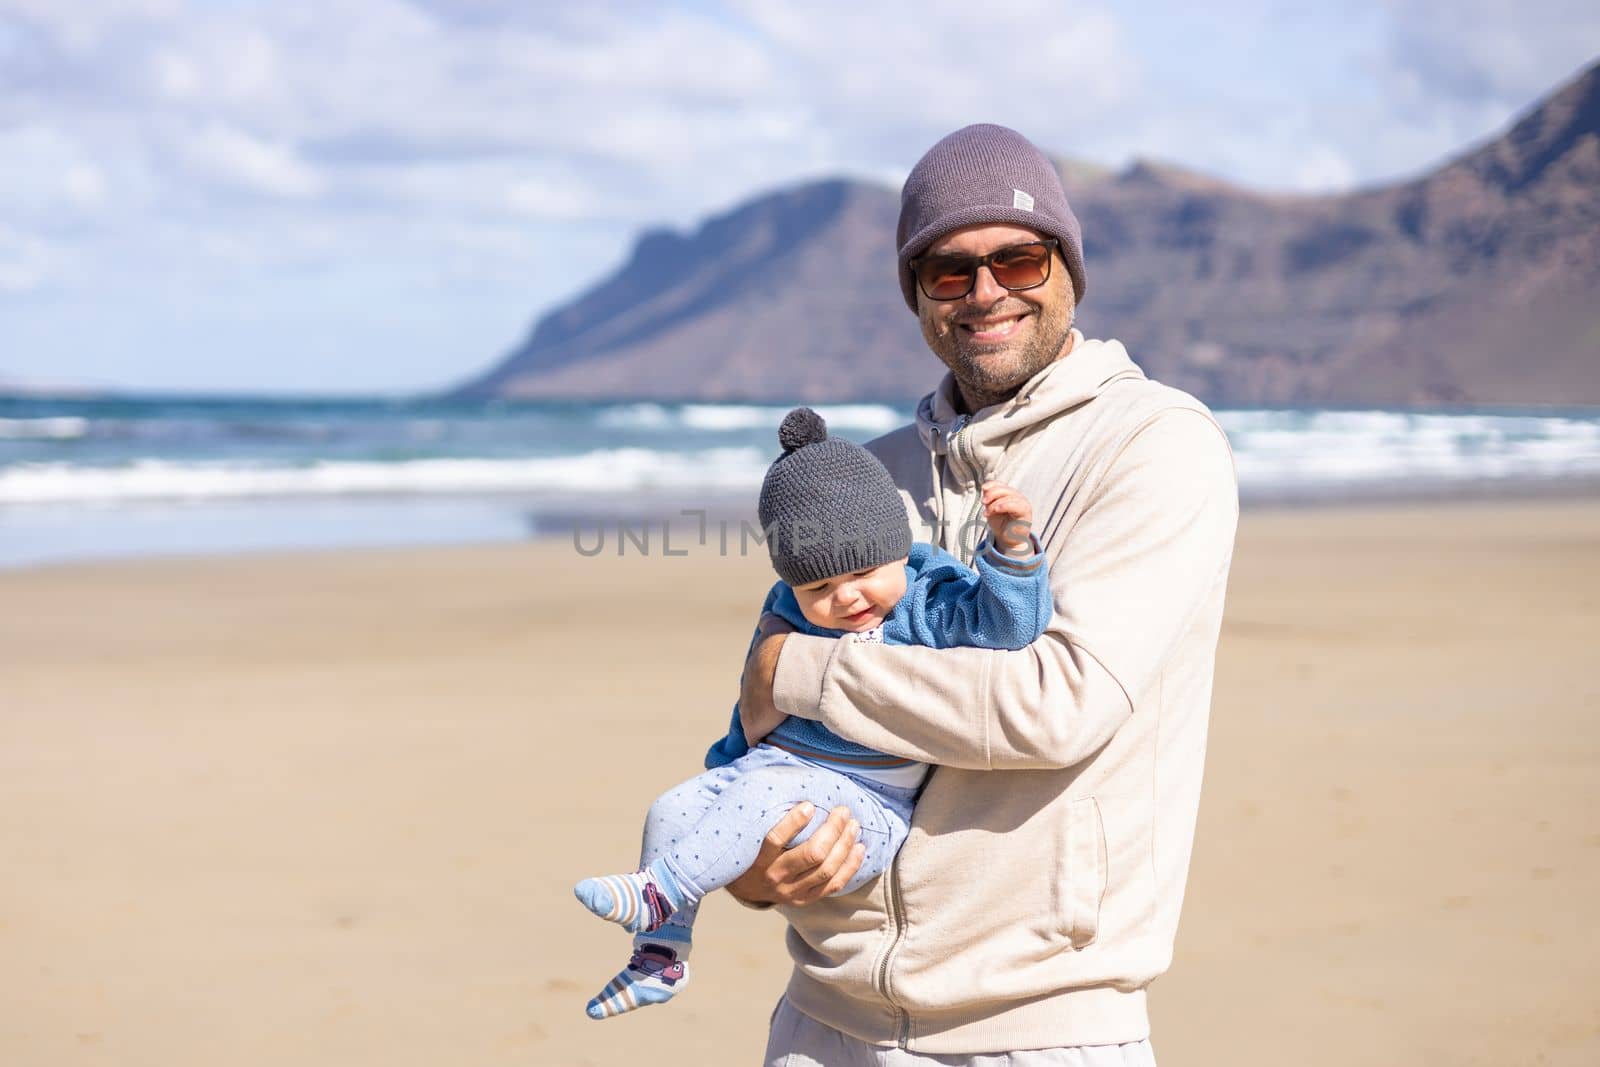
x: 784, y: 297
x: 1476, y: 283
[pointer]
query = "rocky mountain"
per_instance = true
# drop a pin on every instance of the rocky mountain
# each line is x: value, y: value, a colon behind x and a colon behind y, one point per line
x: 1476, y: 283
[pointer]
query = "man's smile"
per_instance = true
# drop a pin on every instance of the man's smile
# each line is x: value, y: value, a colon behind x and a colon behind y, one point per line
x: 995, y: 328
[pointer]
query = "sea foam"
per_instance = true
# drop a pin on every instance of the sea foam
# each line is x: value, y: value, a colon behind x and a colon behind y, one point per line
x: 56, y: 428
x: 602, y: 472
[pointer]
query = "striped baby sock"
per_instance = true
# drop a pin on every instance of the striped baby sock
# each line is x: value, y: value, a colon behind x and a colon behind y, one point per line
x: 657, y: 972
x: 638, y: 902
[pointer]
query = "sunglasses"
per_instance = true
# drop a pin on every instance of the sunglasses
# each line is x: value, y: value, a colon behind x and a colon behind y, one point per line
x: 951, y: 276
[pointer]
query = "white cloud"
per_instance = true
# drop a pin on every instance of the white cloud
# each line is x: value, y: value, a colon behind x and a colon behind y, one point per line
x: 550, y: 200
x: 84, y: 28
x: 19, y: 277
x: 494, y: 143
x: 1442, y: 76
x: 47, y: 177
x: 84, y: 186
x: 251, y: 163
x: 28, y: 263
x: 173, y: 76
x: 1322, y: 166
x: 1466, y: 53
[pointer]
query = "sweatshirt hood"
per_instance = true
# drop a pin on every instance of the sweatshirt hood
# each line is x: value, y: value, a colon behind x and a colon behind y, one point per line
x: 1079, y: 376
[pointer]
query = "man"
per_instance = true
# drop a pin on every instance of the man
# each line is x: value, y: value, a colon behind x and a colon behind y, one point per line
x: 1039, y: 890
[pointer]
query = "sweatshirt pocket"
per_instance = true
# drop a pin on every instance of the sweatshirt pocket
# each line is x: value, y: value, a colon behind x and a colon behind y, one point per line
x: 1081, y: 872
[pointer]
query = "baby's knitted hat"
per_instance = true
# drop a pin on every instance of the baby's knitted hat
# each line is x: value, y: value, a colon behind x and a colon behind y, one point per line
x: 828, y: 506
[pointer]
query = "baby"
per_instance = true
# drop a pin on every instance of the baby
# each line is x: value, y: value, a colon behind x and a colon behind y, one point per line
x: 840, y: 541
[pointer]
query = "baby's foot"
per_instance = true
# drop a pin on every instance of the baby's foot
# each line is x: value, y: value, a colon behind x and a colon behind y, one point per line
x: 638, y: 902
x: 657, y: 972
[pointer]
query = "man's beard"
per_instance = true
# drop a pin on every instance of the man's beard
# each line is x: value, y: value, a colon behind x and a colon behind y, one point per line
x: 989, y: 374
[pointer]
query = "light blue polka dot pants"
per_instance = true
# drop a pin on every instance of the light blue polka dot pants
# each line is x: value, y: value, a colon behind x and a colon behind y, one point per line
x: 710, y: 828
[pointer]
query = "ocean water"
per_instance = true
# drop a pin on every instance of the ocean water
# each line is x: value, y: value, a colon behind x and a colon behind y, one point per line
x: 106, y: 478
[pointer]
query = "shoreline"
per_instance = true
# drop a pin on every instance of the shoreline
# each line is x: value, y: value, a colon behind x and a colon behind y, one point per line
x: 245, y: 529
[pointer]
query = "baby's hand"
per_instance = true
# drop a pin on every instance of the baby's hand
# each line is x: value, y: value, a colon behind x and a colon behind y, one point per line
x: 1010, y: 518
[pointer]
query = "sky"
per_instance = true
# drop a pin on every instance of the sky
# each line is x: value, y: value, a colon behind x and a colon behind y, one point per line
x: 381, y: 196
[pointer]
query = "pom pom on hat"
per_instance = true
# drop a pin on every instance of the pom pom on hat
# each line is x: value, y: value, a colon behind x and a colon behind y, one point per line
x: 801, y: 427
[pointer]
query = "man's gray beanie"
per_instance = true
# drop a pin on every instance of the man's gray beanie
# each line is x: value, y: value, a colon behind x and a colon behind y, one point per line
x: 984, y: 174
x: 828, y: 505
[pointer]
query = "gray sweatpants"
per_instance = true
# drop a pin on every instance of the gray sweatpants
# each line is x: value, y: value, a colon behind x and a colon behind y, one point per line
x: 797, y: 1040
x: 710, y: 828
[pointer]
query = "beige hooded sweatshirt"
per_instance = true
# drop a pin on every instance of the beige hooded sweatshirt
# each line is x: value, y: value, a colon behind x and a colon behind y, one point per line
x: 1038, y: 892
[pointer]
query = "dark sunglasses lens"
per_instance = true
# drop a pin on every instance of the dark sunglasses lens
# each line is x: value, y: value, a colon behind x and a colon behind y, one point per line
x: 1022, y: 267
x: 1017, y: 267
x: 946, y: 277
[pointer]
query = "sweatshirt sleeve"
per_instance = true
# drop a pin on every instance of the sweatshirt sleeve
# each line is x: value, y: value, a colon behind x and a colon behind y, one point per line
x: 1004, y: 603
x: 732, y: 745
x: 1129, y: 580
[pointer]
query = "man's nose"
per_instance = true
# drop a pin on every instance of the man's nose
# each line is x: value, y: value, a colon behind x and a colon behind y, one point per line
x: 985, y: 290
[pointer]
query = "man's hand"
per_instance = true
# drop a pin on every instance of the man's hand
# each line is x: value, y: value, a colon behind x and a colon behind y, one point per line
x: 821, y: 866
x: 757, y: 713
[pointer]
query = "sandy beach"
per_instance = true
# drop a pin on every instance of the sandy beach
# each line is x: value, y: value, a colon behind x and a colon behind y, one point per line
x: 327, y: 809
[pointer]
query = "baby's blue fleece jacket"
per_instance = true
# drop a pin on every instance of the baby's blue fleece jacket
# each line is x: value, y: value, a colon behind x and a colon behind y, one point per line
x: 1003, y: 604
